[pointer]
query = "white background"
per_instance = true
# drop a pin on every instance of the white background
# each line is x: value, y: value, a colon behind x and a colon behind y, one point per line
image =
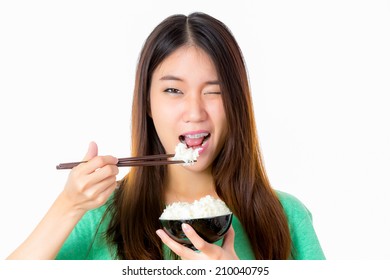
x: 319, y: 72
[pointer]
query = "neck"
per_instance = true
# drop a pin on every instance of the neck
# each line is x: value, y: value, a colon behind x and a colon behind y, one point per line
x: 186, y: 185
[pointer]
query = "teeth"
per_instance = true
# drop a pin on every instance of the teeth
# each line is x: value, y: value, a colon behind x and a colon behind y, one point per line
x: 199, y: 135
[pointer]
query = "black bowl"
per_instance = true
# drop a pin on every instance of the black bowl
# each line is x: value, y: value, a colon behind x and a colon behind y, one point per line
x: 210, y: 229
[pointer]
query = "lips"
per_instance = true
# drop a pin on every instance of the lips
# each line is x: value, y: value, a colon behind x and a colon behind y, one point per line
x: 194, y: 139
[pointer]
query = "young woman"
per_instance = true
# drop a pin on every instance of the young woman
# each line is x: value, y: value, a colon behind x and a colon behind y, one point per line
x: 191, y: 87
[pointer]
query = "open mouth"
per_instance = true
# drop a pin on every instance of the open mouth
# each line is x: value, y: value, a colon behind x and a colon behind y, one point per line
x: 194, y: 140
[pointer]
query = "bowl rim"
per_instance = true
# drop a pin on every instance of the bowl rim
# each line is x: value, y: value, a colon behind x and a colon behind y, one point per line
x: 192, y: 219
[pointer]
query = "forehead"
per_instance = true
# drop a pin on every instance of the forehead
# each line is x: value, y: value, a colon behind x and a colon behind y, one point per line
x: 187, y: 60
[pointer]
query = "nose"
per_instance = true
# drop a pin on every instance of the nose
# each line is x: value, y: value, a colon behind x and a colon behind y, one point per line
x: 194, y: 108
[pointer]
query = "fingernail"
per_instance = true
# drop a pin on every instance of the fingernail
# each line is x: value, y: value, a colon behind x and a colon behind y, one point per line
x: 185, y: 227
x: 158, y: 232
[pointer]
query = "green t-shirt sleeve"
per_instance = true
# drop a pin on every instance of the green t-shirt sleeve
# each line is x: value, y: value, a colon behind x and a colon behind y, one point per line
x: 87, y: 241
x: 306, y: 245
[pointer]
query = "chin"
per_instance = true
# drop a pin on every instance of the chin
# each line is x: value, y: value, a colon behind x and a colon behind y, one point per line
x: 200, y: 166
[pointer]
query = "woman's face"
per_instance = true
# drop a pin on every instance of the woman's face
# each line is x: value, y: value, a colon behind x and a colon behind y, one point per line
x: 186, y: 104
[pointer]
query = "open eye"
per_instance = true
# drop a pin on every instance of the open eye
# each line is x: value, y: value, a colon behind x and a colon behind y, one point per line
x: 173, y: 91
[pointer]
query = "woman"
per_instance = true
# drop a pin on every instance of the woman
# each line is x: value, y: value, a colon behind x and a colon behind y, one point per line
x: 191, y: 87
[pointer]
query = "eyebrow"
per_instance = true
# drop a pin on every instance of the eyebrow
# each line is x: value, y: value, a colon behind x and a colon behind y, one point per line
x: 174, y: 78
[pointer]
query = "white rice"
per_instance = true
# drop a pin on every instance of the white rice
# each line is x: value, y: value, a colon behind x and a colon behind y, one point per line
x: 188, y: 155
x: 205, y: 207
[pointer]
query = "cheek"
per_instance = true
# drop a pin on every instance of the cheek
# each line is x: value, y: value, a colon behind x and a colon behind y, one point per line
x: 222, y: 128
x: 162, y: 114
x: 160, y: 106
x: 159, y: 120
x: 161, y: 129
x: 219, y: 117
x: 163, y: 120
x: 153, y: 108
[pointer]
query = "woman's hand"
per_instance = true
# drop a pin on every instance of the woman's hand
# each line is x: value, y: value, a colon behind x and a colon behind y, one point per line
x: 89, y: 186
x: 91, y: 183
x: 207, y: 251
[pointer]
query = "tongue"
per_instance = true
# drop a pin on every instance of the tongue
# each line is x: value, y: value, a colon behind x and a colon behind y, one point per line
x: 192, y: 142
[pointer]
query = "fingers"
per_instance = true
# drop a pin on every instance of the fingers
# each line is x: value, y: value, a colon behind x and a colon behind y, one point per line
x: 86, y: 196
x: 97, y: 162
x: 178, y: 249
x: 92, y: 151
x: 105, y: 172
x: 206, y: 250
x: 94, y: 191
x: 95, y: 182
x: 228, y: 240
x: 91, y: 183
x: 100, y: 193
x: 199, y: 243
x: 93, y: 161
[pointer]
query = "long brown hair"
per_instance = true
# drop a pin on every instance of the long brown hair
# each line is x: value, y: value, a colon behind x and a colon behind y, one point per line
x: 238, y: 171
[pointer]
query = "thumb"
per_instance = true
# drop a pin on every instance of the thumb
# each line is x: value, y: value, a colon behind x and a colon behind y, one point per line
x: 228, y: 241
x: 92, y: 151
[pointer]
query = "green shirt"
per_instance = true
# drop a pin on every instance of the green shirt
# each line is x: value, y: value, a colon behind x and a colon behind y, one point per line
x: 85, y: 243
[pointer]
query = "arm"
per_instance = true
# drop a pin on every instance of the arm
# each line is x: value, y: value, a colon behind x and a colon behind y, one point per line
x: 89, y: 186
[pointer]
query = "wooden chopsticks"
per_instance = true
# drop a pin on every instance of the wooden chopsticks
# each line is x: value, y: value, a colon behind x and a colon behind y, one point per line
x: 150, y: 160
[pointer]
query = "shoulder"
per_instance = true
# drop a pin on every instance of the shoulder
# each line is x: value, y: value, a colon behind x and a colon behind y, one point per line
x: 303, y: 236
x: 292, y: 206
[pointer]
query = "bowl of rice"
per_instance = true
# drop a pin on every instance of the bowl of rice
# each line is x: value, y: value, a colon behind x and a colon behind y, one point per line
x: 208, y: 216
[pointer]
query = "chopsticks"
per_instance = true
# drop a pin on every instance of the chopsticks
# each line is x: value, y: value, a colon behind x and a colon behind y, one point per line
x: 151, y: 160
